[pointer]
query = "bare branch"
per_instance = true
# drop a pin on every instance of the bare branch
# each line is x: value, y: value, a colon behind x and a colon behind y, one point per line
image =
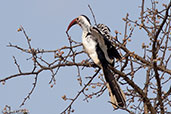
x: 81, y: 91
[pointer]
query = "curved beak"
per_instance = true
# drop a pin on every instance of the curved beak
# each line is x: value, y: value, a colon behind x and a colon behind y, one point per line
x: 73, y: 22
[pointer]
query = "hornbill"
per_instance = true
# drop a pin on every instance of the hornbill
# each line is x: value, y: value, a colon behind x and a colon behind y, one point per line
x: 99, y: 48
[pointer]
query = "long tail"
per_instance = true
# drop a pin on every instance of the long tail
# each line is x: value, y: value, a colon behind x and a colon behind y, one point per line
x: 116, y: 94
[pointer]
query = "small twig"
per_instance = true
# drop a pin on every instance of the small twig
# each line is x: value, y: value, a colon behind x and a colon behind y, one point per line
x: 92, y: 14
x: 17, y: 47
x: 79, y: 76
x: 98, y: 93
x: 18, y: 66
x: 29, y: 94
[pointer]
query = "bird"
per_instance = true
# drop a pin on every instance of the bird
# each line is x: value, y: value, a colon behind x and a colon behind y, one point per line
x: 96, y: 43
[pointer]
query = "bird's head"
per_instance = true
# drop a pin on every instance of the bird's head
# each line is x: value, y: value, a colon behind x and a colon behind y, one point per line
x: 83, y: 21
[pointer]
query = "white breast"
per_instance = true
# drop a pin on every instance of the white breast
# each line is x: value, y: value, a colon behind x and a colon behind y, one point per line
x: 90, y: 48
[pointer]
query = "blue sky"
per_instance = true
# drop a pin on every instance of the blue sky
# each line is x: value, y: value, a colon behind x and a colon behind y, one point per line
x: 45, y: 22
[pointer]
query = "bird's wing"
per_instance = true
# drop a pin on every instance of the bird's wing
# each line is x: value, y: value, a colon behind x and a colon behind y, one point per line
x: 105, y: 44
